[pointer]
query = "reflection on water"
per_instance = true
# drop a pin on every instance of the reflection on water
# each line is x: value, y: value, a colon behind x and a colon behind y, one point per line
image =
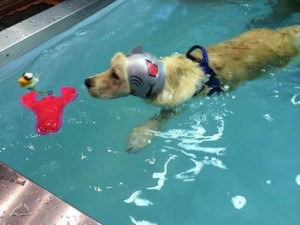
x: 141, y: 222
x: 298, y: 179
x: 296, y: 99
x: 238, y: 201
x: 137, y: 200
x: 192, y: 146
x: 161, y: 176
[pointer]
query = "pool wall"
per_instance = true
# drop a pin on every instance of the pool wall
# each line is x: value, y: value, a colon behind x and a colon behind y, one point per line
x: 19, y: 39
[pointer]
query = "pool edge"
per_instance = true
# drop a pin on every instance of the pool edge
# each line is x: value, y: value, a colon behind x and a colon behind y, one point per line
x: 30, y: 33
x: 25, y: 202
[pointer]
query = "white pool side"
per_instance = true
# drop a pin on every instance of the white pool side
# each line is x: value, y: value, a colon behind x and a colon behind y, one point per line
x: 47, y: 26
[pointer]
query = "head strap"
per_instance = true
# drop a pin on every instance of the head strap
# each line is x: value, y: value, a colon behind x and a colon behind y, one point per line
x: 146, y: 74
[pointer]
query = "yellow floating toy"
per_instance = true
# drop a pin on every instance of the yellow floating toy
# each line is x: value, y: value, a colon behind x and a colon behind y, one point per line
x: 28, y: 80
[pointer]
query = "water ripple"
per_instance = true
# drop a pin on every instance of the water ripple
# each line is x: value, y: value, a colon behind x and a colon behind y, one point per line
x: 190, y: 173
x: 137, y: 200
x: 193, y: 143
x: 238, y: 201
x: 162, y: 175
x: 190, y: 139
x: 296, y: 99
x: 142, y: 222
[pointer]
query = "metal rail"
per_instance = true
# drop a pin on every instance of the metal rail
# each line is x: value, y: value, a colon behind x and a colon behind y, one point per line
x: 23, y: 202
x: 24, y: 36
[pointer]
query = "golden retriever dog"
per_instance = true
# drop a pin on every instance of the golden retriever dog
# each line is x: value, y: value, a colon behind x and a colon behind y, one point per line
x: 175, y: 79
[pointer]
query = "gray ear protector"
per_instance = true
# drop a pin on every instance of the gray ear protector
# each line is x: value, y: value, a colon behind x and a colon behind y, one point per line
x: 146, y: 73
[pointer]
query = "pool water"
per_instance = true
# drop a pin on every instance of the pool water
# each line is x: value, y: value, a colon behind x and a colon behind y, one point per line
x: 229, y: 159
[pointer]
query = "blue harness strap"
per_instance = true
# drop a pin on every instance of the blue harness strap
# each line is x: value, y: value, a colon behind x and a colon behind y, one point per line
x: 213, y: 83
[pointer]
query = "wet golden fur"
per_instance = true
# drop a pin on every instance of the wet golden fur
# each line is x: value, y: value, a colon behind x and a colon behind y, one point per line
x: 235, y: 61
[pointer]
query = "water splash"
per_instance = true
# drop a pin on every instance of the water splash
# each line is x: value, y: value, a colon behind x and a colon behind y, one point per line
x: 238, y: 201
x: 298, y: 179
x: 190, y: 144
x: 191, y: 173
x: 296, y: 99
x: 161, y: 176
x: 83, y: 156
x: 142, y: 222
x: 214, y: 162
x: 82, y: 117
x: 190, y: 139
x: 268, y: 117
x: 136, y: 199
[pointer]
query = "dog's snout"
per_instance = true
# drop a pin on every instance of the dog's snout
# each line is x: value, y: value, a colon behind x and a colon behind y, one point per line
x: 88, y: 83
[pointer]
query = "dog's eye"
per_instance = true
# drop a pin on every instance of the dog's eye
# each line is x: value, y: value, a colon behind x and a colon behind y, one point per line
x: 115, y: 76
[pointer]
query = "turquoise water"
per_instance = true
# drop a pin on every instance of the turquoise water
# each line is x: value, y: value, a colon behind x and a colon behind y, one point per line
x: 232, y: 159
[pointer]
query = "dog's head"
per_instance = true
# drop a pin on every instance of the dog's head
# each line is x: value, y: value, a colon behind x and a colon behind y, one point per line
x: 112, y: 83
x: 138, y: 73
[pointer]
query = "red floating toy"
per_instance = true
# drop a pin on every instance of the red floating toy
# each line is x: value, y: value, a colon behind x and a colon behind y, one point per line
x: 49, y: 110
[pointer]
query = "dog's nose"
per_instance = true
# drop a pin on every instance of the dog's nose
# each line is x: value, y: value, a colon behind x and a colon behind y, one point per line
x: 88, y: 83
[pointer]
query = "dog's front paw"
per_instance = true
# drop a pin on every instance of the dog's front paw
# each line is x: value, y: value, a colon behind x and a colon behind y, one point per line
x: 141, y: 136
x: 137, y: 141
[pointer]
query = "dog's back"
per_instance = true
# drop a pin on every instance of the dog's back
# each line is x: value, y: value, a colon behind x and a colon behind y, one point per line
x: 246, y: 56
